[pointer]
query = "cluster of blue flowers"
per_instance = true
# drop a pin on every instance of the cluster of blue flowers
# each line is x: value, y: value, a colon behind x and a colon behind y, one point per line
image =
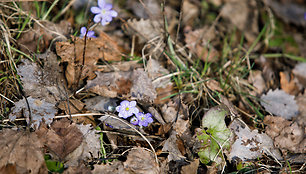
x: 103, y: 13
x: 127, y: 109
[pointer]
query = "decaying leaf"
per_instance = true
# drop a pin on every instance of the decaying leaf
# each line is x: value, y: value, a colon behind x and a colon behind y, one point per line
x: 145, y: 9
x: 144, y: 29
x: 40, y: 37
x: 111, y: 84
x: 288, y: 84
x: 164, y: 87
x: 280, y: 103
x: 62, y: 139
x: 117, y: 123
x: 191, y: 12
x: 139, y: 160
x: 300, y: 72
x: 142, y: 88
x: 286, y: 134
x: 21, y: 152
x: 172, y: 147
x: 191, y: 168
x: 135, y: 83
x: 289, y: 11
x: 40, y: 110
x: 250, y: 144
x: 142, y: 161
x: 214, y: 134
x: 41, y: 82
x: 103, y: 48
x: 71, y: 107
x: 245, y: 18
x: 258, y: 81
x: 89, y: 148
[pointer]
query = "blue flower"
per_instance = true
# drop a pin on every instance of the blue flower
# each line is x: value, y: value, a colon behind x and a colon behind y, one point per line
x: 127, y: 109
x: 134, y: 121
x: 89, y: 33
x: 104, y: 12
x: 144, y: 119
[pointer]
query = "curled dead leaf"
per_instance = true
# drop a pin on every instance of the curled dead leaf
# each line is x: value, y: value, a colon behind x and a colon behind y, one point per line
x: 21, y: 152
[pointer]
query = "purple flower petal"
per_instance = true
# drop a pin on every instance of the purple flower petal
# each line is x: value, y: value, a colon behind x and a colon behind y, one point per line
x: 103, y: 13
x: 108, y: 7
x: 95, y: 10
x: 97, y: 18
x: 83, y: 30
x: 101, y: 3
x: 134, y: 121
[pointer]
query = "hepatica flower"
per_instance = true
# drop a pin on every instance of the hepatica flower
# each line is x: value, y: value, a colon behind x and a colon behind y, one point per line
x: 89, y: 33
x: 103, y: 13
x: 134, y: 121
x: 144, y: 119
x: 127, y: 109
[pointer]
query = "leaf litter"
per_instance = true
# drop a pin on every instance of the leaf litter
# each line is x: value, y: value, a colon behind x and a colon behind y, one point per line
x: 188, y: 128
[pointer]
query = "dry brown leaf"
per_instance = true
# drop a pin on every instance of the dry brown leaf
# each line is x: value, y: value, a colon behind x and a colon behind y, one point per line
x: 62, y: 139
x: 289, y: 86
x: 42, y: 82
x: 144, y: 29
x: 39, y: 38
x: 75, y: 106
x: 80, y: 169
x: 191, y: 168
x: 164, y: 87
x: 190, y: 13
x: 287, y: 135
x: 245, y: 18
x: 140, y: 160
x: 103, y: 48
x: 171, y: 147
x: 110, y: 168
x: 40, y: 111
x: 214, y: 85
x: 198, y: 44
x: 111, y: 84
x: 142, y: 89
x: 135, y: 83
x: 89, y: 148
x: 21, y: 152
x: 258, y: 81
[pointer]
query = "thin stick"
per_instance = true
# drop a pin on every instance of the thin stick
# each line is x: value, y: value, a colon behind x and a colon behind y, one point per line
x: 7, y: 98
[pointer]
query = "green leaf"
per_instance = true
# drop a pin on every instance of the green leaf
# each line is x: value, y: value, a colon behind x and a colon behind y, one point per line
x: 214, y: 135
x: 54, y: 166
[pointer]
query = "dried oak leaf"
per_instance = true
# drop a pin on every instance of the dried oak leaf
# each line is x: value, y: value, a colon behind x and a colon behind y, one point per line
x: 42, y: 35
x: 280, y: 103
x: 287, y: 135
x: 245, y: 19
x: 41, y: 82
x: 62, y: 138
x: 89, y: 147
x: 258, y: 81
x: 145, y: 29
x: 41, y: 110
x: 21, y: 152
x: 103, y: 47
